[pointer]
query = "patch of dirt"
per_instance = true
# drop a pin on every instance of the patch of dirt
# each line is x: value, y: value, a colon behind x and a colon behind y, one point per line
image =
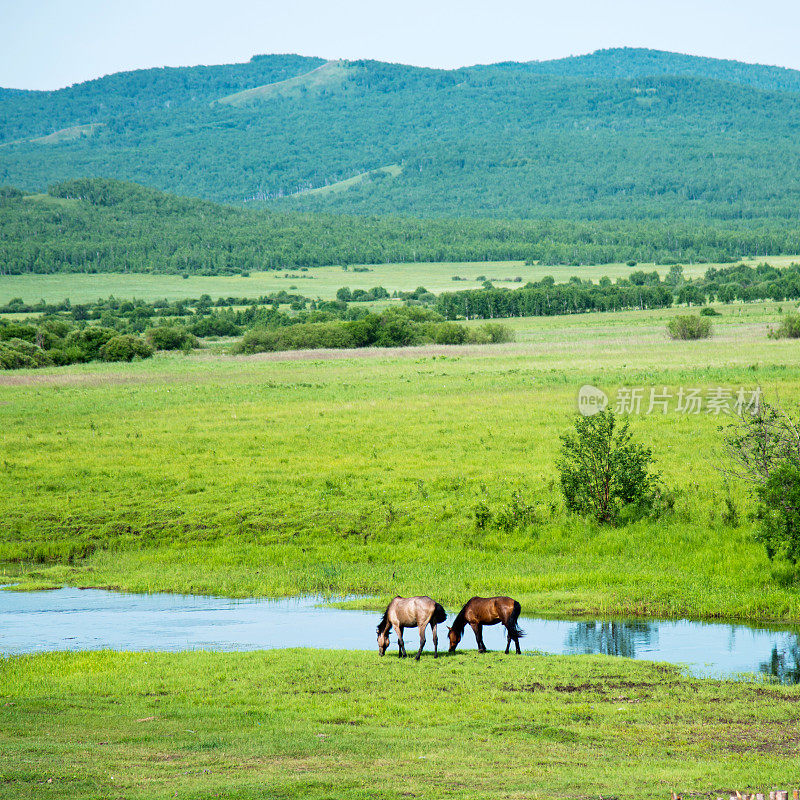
x: 571, y: 688
x: 776, y: 697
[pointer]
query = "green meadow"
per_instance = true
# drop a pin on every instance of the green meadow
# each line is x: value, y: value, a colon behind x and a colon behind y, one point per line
x: 324, y: 724
x: 315, y: 282
x: 365, y: 473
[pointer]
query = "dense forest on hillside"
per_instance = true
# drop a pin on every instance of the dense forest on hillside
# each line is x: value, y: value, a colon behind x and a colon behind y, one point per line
x: 111, y: 226
x: 618, y: 134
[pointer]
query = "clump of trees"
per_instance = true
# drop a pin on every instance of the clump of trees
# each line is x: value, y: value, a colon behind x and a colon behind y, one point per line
x: 55, y: 342
x: 604, y: 473
x: 395, y: 327
x: 346, y: 295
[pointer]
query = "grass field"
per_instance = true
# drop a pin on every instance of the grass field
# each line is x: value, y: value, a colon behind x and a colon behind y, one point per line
x: 316, y: 282
x: 362, y: 472
x: 312, y: 724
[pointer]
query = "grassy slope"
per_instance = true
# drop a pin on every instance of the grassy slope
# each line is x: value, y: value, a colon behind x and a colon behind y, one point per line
x: 393, y: 170
x: 261, y: 476
x: 316, y: 282
x: 328, y: 75
x: 309, y: 724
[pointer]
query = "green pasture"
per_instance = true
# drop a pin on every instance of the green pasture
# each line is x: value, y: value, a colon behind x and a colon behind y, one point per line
x: 361, y: 473
x: 322, y: 724
x: 316, y: 282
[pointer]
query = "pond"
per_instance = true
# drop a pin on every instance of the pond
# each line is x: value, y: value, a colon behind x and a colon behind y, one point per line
x: 92, y: 619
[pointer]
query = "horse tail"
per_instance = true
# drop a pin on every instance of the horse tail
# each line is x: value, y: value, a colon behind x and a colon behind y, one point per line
x: 512, y: 622
x: 439, y: 614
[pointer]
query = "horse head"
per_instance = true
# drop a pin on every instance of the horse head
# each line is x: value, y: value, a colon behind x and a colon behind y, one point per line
x: 454, y: 637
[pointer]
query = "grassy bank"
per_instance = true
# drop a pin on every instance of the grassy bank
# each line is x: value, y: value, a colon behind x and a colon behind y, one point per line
x: 362, y: 474
x: 348, y: 724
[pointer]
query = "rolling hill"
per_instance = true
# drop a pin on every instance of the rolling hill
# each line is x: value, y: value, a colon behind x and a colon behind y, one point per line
x: 627, y: 133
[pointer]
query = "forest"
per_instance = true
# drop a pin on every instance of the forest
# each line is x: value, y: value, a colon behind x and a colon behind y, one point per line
x: 102, y: 225
x: 617, y: 134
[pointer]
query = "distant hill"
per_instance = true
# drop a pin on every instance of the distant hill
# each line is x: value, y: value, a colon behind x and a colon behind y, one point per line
x: 101, y: 225
x: 630, y: 62
x: 624, y: 133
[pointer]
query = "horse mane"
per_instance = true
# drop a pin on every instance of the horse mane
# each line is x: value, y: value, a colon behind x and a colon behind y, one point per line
x: 384, y: 621
x: 460, y: 622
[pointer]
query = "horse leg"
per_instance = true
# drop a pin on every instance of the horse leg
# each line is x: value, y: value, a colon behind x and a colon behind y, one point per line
x: 477, y: 629
x: 421, y: 639
x: 508, y: 642
x: 435, y: 640
x: 515, y: 628
x: 401, y: 647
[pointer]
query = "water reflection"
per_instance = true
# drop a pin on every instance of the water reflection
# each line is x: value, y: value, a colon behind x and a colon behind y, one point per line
x: 75, y: 619
x: 785, y: 666
x: 610, y: 638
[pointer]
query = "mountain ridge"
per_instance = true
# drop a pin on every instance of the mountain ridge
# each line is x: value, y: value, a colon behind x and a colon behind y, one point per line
x: 616, y: 133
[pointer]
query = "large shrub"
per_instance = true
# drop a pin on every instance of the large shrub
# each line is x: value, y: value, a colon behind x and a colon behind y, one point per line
x: 125, y: 348
x: 765, y: 448
x: 22, y: 354
x: 603, y: 470
x: 89, y: 340
x: 789, y: 327
x: 689, y: 326
x: 171, y: 337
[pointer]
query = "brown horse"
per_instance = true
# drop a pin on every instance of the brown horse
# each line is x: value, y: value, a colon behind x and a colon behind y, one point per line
x: 406, y: 612
x: 480, y: 611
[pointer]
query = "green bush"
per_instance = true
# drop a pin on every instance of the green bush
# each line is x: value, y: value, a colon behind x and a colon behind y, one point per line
x: 171, y: 337
x: 789, y: 327
x: 448, y: 333
x: 22, y: 354
x: 689, y: 326
x: 604, y: 472
x: 125, y: 348
x: 780, y: 512
x: 491, y: 333
x: 707, y: 311
x: 89, y: 340
x: 765, y: 448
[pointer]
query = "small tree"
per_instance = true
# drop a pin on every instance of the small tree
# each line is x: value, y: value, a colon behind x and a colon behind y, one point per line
x: 765, y: 448
x: 602, y: 469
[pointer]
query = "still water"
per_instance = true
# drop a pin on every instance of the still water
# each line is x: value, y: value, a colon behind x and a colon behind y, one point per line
x: 92, y: 619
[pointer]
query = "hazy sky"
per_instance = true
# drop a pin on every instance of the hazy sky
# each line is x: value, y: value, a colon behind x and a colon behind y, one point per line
x: 46, y: 44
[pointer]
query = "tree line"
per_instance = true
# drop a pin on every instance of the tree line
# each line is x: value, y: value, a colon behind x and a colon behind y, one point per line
x: 101, y: 225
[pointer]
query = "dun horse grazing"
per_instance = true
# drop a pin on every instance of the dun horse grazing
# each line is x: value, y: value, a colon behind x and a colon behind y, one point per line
x: 480, y: 611
x: 406, y: 612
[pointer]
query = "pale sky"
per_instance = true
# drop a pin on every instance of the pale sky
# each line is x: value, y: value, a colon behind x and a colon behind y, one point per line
x: 47, y: 44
